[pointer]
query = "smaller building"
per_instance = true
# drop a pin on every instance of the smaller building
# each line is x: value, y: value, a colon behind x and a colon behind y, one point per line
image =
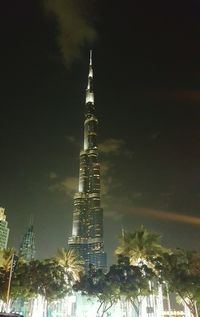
x: 27, y: 247
x: 4, y: 230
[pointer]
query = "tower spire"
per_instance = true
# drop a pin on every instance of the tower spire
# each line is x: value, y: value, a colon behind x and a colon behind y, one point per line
x: 31, y: 220
x: 91, y: 57
x: 89, y: 90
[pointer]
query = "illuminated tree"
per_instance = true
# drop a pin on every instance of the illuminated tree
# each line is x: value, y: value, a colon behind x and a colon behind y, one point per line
x: 140, y: 245
x: 181, y: 271
x: 45, y: 278
x: 122, y: 282
x: 51, y: 282
x: 71, y: 262
x: 6, y: 258
x: 50, y: 278
x: 95, y: 284
x: 132, y: 281
x: 5, y: 266
x: 4, y: 276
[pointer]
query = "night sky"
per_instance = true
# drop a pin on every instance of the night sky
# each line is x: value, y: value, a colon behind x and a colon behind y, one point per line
x: 147, y: 96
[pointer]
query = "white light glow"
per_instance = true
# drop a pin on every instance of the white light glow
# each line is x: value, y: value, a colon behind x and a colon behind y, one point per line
x: 90, y: 97
x: 78, y: 305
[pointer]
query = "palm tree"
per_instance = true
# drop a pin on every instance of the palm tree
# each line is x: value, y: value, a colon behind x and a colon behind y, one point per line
x: 71, y: 262
x: 5, y: 269
x: 140, y: 246
x: 6, y: 258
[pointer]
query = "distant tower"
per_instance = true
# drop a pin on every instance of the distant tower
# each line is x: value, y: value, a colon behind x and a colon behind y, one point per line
x: 4, y: 231
x: 27, y: 247
x: 87, y: 228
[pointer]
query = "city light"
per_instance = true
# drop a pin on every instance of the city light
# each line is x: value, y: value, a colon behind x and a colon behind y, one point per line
x: 78, y: 305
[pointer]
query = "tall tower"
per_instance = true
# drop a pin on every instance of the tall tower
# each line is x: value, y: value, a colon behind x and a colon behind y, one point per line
x: 27, y: 247
x: 4, y: 231
x: 87, y: 228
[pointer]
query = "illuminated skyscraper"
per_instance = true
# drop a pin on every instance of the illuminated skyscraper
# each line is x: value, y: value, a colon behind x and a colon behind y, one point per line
x: 87, y: 228
x: 27, y: 247
x: 4, y: 231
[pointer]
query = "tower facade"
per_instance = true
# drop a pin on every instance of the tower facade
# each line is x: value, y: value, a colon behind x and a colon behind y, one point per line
x: 87, y: 227
x: 4, y: 230
x: 27, y: 247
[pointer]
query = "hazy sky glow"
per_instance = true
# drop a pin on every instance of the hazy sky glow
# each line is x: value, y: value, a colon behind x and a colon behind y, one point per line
x: 147, y: 73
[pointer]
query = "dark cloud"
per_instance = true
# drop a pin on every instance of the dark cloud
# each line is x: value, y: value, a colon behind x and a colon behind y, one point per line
x: 165, y: 215
x: 74, y: 27
x: 111, y: 146
x: 188, y: 95
x: 53, y: 175
x: 71, y: 139
x: 121, y: 206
